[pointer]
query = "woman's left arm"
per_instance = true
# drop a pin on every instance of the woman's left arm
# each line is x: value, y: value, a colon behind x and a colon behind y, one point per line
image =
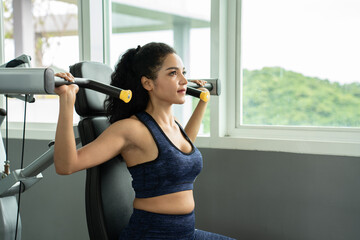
x: 193, y: 125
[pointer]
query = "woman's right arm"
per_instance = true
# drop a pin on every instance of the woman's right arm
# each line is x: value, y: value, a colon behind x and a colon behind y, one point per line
x: 65, y: 152
x: 67, y: 158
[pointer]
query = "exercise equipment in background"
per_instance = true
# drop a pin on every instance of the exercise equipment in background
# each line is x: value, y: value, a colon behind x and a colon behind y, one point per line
x: 18, y: 80
x: 212, y: 85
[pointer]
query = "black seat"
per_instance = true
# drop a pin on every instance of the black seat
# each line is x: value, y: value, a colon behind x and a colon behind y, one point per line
x: 109, y: 194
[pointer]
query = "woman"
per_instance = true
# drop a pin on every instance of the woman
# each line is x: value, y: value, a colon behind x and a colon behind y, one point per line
x: 158, y: 152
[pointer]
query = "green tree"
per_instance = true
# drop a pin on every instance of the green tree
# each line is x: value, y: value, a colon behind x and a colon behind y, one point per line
x: 275, y: 96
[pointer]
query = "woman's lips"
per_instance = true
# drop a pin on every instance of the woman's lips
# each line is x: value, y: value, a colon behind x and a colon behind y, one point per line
x: 182, y: 91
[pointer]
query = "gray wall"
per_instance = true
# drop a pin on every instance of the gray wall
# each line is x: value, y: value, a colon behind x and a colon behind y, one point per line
x: 270, y: 195
x: 242, y: 194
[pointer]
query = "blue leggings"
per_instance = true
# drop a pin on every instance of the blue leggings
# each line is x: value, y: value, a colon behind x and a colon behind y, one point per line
x: 147, y: 225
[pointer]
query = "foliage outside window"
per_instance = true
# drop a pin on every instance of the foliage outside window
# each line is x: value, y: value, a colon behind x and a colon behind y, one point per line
x: 300, y: 63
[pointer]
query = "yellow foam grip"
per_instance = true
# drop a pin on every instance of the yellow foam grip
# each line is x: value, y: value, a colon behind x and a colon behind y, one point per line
x: 205, y: 96
x: 125, y: 95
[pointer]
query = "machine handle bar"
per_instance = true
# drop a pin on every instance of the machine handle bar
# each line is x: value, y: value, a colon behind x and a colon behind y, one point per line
x: 112, y: 91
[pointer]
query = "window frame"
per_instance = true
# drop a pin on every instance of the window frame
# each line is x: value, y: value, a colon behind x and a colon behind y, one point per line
x: 226, y: 132
x: 91, y: 22
x: 2, y: 34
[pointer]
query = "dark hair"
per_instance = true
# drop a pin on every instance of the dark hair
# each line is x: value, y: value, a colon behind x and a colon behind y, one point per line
x: 135, y: 63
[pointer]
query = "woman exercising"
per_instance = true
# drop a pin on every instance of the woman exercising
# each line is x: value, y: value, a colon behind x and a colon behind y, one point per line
x: 158, y: 152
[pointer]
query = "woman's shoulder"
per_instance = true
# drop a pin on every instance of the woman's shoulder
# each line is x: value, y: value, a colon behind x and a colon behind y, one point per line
x: 128, y: 125
x: 132, y: 130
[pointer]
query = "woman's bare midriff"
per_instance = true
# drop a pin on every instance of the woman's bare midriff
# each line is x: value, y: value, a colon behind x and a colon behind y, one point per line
x: 173, y: 203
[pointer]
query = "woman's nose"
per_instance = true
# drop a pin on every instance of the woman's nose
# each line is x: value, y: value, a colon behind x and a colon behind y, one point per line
x: 183, y: 81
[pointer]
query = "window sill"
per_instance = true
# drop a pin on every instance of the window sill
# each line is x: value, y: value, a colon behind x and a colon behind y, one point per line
x: 35, y: 131
x: 323, y: 141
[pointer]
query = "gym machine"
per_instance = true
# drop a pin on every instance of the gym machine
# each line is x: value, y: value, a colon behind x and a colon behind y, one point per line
x: 18, y: 80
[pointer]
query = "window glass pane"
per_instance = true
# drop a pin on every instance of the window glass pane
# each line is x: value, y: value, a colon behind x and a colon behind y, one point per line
x: 300, y: 62
x: 48, y: 33
x: 183, y: 24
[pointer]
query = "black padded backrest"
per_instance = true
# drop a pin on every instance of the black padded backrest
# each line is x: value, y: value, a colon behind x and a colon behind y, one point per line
x: 109, y: 194
x: 89, y: 102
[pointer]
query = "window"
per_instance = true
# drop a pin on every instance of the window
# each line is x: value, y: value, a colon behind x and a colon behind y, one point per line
x: 183, y: 24
x: 49, y: 35
x: 253, y: 52
x: 300, y: 63
x: 279, y: 93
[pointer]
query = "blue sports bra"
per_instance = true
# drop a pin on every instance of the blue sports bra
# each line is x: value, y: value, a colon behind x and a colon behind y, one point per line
x: 172, y: 171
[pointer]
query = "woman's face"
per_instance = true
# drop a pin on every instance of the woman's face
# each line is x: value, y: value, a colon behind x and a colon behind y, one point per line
x: 170, y: 84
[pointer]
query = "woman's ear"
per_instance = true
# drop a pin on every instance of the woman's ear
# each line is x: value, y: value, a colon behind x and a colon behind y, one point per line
x: 147, y: 83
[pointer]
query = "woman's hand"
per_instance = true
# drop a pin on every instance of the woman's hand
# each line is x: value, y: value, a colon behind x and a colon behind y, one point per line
x: 67, y: 90
x: 202, y: 83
